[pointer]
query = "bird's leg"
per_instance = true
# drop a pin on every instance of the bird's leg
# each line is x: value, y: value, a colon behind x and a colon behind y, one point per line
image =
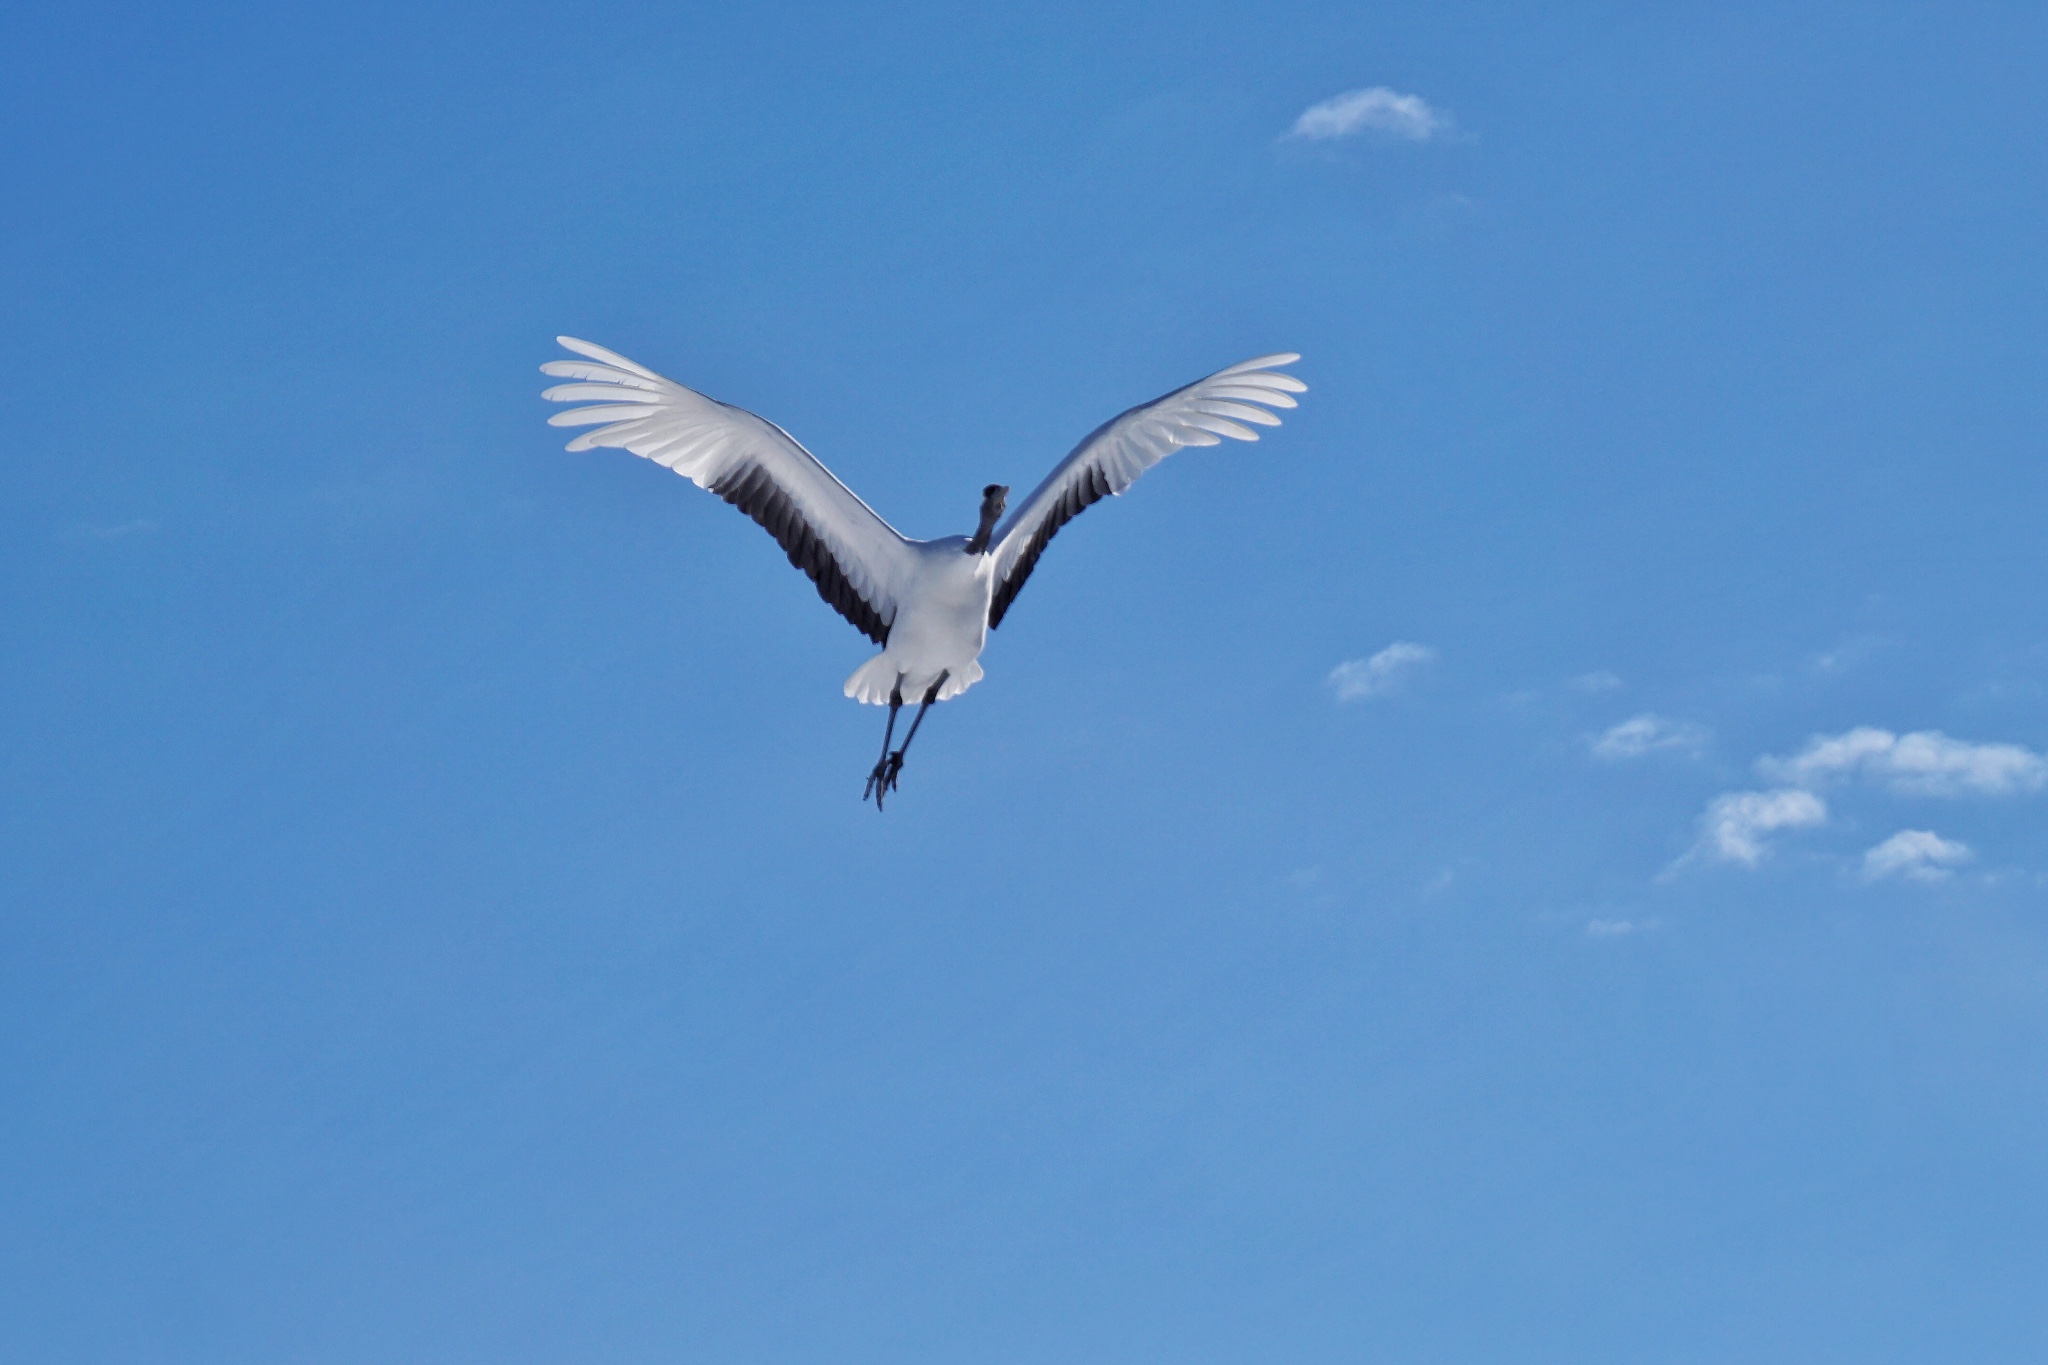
x: 931, y: 694
x: 877, y: 779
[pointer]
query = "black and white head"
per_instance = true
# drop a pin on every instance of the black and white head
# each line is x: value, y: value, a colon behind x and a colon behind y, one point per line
x: 993, y: 499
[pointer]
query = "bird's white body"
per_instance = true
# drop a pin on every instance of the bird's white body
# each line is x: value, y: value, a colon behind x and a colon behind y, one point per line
x: 930, y: 604
x: 939, y: 630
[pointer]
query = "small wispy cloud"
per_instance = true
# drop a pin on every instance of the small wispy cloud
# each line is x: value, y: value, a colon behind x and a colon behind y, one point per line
x: 1384, y: 672
x: 1735, y: 825
x: 1646, y: 734
x: 1378, y: 110
x: 1848, y: 655
x: 1923, y: 763
x: 1596, y: 682
x: 88, y: 531
x: 1919, y: 855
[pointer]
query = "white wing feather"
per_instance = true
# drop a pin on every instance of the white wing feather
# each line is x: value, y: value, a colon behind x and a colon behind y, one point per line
x: 1112, y: 457
x: 859, y: 562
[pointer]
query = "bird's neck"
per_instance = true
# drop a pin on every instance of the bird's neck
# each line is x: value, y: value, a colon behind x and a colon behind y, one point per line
x: 979, y: 544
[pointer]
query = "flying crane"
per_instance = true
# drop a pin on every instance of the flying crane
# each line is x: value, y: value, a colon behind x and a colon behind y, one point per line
x: 928, y: 603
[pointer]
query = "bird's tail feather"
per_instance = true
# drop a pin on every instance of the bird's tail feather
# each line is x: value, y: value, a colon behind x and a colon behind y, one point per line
x: 959, y: 680
x: 876, y: 680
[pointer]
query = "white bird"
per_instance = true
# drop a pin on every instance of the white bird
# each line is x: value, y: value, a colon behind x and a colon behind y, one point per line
x: 929, y: 603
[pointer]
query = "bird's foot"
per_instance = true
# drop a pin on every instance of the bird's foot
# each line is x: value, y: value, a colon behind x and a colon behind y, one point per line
x: 895, y: 770
x: 881, y: 779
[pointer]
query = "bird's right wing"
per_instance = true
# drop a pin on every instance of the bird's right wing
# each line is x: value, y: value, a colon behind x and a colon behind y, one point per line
x: 858, y: 561
x: 1113, y: 455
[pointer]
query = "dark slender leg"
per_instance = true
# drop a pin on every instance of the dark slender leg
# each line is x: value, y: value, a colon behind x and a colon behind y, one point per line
x: 931, y: 694
x: 876, y: 779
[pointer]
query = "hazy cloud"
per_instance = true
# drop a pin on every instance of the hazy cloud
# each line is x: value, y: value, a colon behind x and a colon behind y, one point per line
x: 1847, y: 655
x: 1918, y: 854
x: 1924, y: 763
x: 88, y: 531
x: 1596, y: 682
x: 1735, y: 824
x: 1388, y: 113
x: 1648, y: 734
x: 1384, y: 672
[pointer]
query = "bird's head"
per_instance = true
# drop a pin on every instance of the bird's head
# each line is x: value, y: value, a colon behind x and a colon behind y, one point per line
x: 993, y: 499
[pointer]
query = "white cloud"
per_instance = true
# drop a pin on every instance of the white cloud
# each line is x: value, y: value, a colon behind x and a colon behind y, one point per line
x: 1596, y: 682
x: 1924, y: 763
x: 1735, y: 824
x: 1919, y: 854
x: 1378, y: 110
x: 1384, y: 672
x: 1648, y: 734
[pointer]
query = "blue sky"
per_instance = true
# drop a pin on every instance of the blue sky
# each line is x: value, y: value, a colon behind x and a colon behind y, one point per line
x: 1539, y: 859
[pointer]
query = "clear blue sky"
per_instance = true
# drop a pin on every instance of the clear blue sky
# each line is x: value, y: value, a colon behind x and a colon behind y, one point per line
x: 438, y: 921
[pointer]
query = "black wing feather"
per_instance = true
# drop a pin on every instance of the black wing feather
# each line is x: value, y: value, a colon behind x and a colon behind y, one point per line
x: 754, y: 491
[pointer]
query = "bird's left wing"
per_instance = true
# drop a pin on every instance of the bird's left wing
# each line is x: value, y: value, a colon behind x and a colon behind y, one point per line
x: 858, y: 561
x: 1117, y: 452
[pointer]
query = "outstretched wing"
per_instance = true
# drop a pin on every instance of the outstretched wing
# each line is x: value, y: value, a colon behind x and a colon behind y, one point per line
x: 857, y: 560
x: 1117, y: 452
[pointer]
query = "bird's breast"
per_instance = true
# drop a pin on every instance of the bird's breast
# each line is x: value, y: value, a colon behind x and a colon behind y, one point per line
x: 944, y: 615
